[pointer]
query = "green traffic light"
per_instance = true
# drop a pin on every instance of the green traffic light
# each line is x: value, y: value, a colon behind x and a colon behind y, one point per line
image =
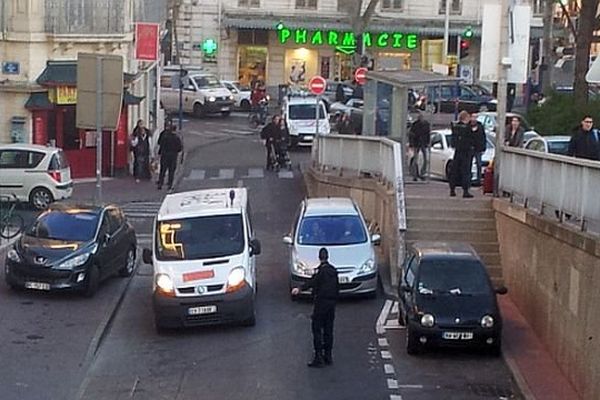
x: 468, y: 33
x: 279, y: 26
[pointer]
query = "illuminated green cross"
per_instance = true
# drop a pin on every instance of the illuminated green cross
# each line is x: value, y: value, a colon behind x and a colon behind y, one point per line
x: 209, y: 46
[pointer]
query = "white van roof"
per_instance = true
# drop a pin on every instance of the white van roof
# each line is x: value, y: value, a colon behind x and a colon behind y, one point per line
x: 199, y: 203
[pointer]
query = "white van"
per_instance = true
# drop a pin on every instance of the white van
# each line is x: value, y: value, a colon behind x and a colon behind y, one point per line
x: 204, y: 93
x: 300, y: 113
x: 204, y: 259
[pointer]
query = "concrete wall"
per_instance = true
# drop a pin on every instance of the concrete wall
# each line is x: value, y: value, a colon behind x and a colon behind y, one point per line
x: 376, y: 201
x: 553, y: 276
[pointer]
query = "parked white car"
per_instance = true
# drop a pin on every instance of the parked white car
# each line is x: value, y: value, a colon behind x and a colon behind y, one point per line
x: 336, y: 110
x: 35, y: 174
x: 241, y: 94
x: 338, y: 225
x: 442, y: 154
x: 549, y: 144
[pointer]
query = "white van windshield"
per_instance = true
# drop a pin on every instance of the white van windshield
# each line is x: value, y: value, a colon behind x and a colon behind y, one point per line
x: 207, y: 82
x: 305, y: 112
x: 200, y: 237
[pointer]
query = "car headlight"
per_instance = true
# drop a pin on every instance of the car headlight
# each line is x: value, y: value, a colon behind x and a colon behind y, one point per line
x: 302, y: 269
x: 487, y: 321
x: 231, y: 97
x: 75, y: 261
x: 13, y: 255
x: 427, y: 320
x: 236, y: 279
x: 211, y: 98
x: 164, y: 284
x: 368, y: 267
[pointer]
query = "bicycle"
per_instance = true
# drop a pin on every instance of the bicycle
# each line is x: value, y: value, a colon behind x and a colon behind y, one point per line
x: 11, y: 224
x: 258, y: 116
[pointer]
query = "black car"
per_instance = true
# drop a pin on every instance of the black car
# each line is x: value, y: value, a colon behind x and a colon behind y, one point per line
x: 72, y: 247
x: 471, y: 98
x: 447, y: 299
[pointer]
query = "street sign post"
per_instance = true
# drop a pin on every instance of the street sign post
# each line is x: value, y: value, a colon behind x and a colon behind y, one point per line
x: 360, y: 75
x: 317, y: 86
x: 99, y: 99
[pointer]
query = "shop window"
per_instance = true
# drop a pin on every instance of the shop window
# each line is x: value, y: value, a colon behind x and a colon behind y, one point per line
x: 17, y: 129
x: 71, y: 140
x: 306, y: 4
x: 455, y: 7
x: 249, y: 3
x: 252, y: 65
x: 394, y: 5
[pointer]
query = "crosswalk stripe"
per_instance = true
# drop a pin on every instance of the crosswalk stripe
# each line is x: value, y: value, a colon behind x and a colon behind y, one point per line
x: 238, y: 131
x: 232, y: 173
x: 196, y: 174
x: 224, y: 173
x: 286, y: 174
x: 255, y: 173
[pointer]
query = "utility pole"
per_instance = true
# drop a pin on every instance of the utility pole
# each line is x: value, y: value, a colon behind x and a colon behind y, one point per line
x: 503, y: 65
x: 446, y: 31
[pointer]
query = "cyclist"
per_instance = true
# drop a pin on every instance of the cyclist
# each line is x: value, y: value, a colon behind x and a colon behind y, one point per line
x: 272, y: 135
x: 259, y: 101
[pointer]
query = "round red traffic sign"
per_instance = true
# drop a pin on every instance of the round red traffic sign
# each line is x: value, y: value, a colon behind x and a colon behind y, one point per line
x: 360, y: 75
x: 317, y: 85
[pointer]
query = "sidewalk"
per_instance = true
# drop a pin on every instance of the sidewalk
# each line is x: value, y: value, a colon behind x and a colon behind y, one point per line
x: 536, y: 373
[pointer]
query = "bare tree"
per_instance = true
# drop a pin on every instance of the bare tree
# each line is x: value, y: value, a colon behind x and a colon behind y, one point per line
x: 585, y: 32
x: 548, y: 55
x: 358, y: 20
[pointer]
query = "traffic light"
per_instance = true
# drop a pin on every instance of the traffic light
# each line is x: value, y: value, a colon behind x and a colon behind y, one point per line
x: 465, y: 44
x: 467, y: 33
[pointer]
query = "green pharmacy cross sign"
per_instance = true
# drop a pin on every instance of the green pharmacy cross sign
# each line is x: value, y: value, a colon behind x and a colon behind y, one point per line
x: 209, y: 46
x: 345, y: 42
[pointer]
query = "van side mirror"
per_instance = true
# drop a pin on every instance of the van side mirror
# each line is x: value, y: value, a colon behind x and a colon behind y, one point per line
x: 255, y: 247
x: 502, y: 290
x: 288, y: 240
x: 147, y: 256
x: 376, y: 239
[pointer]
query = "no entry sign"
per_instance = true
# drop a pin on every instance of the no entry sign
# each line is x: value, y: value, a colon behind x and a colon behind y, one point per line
x: 360, y: 75
x: 317, y: 85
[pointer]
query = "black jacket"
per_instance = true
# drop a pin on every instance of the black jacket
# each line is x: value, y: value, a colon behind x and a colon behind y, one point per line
x: 585, y: 144
x: 169, y: 143
x: 463, y: 140
x: 271, y: 132
x: 480, y: 141
x: 516, y: 139
x: 420, y: 134
x: 325, y: 287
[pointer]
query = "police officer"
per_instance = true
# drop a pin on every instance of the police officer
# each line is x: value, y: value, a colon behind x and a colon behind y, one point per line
x: 169, y: 148
x: 325, y: 290
x: 463, y: 141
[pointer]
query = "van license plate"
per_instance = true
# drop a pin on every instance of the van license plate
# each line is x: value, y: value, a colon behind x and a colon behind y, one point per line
x: 457, y: 335
x: 202, y: 310
x: 224, y: 108
x: 37, y: 285
x: 343, y: 279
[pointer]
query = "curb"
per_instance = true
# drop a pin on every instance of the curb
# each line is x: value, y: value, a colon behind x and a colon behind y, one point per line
x: 519, y: 378
x: 101, y: 333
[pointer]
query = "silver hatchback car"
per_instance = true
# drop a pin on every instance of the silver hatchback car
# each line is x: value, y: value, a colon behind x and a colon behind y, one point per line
x: 338, y: 225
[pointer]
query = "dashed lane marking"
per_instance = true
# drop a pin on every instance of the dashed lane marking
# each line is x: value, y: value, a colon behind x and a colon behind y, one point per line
x: 395, y: 397
x: 383, y: 342
x: 389, y: 369
x: 410, y: 386
x: 386, y: 355
x: 392, y: 384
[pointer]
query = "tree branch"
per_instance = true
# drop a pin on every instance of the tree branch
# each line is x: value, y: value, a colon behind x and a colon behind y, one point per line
x: 568, y: 16
x: 366, y: 18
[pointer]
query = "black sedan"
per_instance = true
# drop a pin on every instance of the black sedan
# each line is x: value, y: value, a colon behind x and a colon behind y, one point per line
x: 72, y: 247
x: 447, y: 299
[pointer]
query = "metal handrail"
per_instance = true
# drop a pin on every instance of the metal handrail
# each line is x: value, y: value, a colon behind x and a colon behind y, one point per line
x: 570, y: 186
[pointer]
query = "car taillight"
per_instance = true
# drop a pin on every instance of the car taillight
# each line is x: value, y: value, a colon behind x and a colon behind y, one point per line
x: 55, y: 175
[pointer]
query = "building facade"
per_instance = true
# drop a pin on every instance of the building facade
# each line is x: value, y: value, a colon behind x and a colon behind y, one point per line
x: 39, y: 43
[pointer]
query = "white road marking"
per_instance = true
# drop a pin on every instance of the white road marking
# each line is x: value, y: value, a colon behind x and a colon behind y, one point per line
x: 240, y: 183
x: 385, y: 311
x: 395, y: 397
x: 392, y: 383
x: 286, y: 174
x: 238, y: 131
x: 395, y: 308
x: 196, y: 174
x: 386, y: 355
x: 383, y: 342
x: 393, y: 324
x: 389, y: 369
x: 224, y: 173
x: 255, y: 173
x: 410, y: 386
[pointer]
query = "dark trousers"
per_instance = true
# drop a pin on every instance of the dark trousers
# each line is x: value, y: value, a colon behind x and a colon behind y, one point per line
x: 477, y: 158
x: 414, y: 162
x: 322, y: 330
x: 271, y: 154
x: 167, y: 162
x: 461, y: 171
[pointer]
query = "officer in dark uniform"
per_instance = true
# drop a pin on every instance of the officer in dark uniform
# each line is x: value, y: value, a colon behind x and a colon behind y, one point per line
x: 463, y: 141
x: 325, y: 290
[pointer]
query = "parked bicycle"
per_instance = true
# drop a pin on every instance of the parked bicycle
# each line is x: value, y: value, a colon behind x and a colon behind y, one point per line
x: 11, y: 223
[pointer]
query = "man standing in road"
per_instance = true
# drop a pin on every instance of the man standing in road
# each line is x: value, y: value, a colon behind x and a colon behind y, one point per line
x: 585, y: 142
x: 419, y: 140
x: 463, y: 143
x: 480, y: 145
x: 169, y: 148
x: 325, y: 290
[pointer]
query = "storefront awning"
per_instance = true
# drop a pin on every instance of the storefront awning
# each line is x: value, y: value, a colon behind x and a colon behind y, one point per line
x: 64, y: 73
x: 131, y: 99
x: 270, y: 21
x: 38, y: 101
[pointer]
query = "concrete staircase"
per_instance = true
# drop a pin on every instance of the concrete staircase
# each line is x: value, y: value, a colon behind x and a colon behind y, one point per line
x: 456, y: 220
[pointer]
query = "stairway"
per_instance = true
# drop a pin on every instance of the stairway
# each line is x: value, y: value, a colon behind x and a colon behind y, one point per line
x: 456, y: 220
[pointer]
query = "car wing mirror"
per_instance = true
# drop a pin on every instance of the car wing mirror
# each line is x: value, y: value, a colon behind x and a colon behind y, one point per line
x: 105, y: 238
x: 147, y: 256
x: 255, y: 248
x: 376, y: 239
x: 502, y: 290
x: 404, y: 288
x: 288, y: 240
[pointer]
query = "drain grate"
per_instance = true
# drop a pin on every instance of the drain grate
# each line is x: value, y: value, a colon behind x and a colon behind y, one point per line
x: 486, y: 390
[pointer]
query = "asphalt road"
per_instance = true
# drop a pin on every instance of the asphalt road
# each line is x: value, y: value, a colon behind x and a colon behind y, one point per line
x: 50, y: 340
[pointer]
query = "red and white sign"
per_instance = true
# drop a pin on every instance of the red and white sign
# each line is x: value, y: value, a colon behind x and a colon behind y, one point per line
x: 360, y: 75
x: 317, y: 85
x: 146, y: 41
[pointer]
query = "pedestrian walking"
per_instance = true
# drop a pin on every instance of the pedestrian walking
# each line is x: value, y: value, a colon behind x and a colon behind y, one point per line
x: 464, y: 144
x: 585, y: 142
x: 515, y: 134
x: 340, y: 96
x: 344, y: 125
x: 140, y: 144
x: 272, y: 134
x: 419, y: 139
x: 480, y: 144
x: 325, y: 290
x: 169, y: 148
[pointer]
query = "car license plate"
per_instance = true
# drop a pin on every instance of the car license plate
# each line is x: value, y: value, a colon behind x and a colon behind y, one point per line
x: 457, y: 335
x: 224, y: 108
x: 308, y: 138
x: 343, y: 279
x: 37, y: 285
x: 202, y: 310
